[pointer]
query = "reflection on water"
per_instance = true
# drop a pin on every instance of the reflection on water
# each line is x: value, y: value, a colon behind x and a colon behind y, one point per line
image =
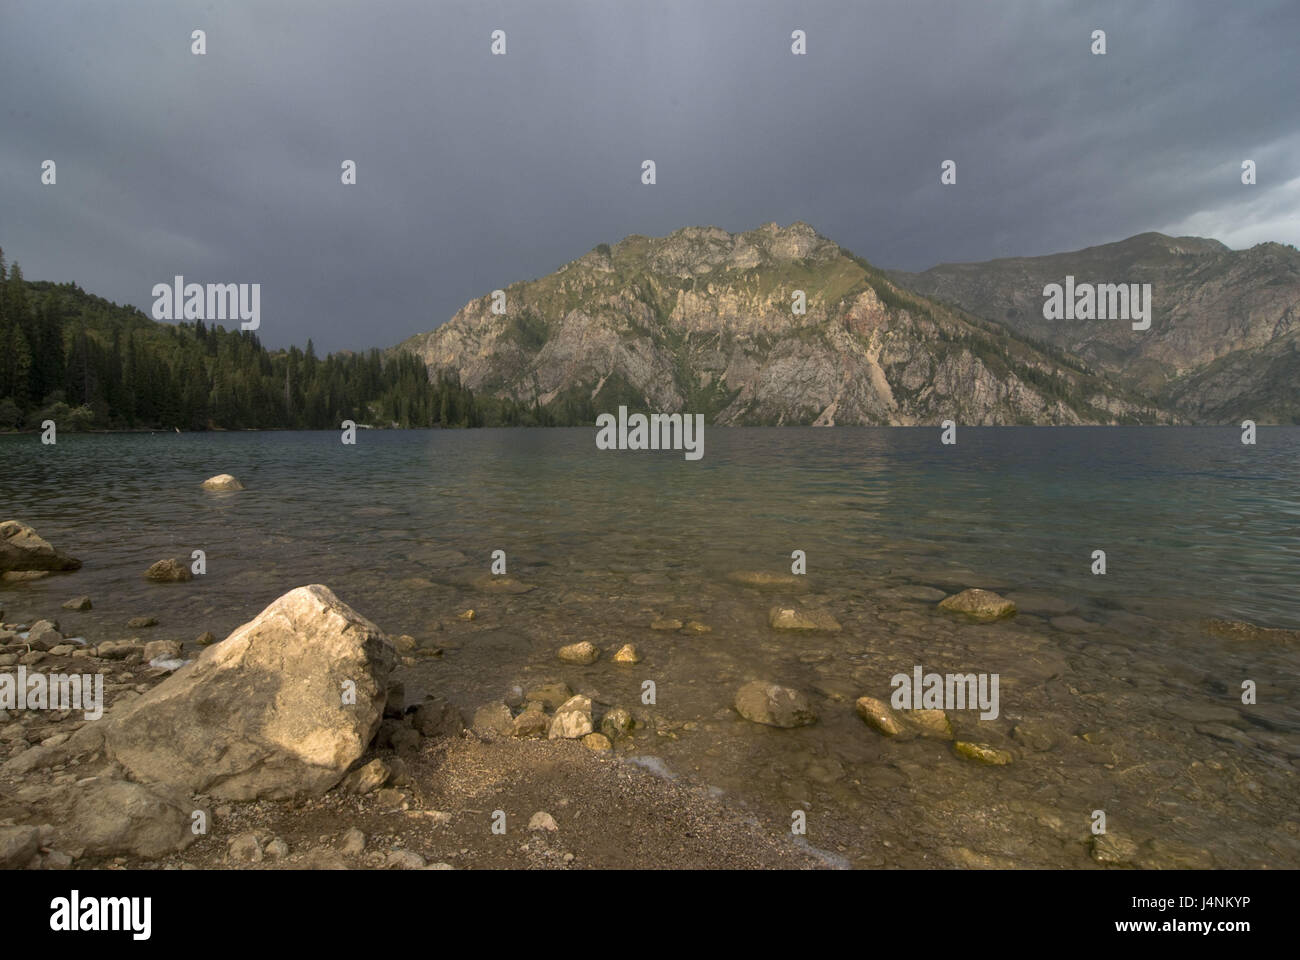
x: 1193, y: 524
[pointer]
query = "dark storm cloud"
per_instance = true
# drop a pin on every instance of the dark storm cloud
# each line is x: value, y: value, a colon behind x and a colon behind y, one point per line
x: 475, y: 171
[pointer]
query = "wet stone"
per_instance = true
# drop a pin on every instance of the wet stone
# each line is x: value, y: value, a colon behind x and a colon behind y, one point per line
x: 1036, y: 736
x: 794, y: 617
x: 766, y: 580
x: 983, y: 606
x: 169, y: 571
x: 627, y: 654
x: 879, y: 716
x: 774, y: 705
x: 982, y: 753
x: 616, y: 723
x: 549, y: 695
x: 584, y: 652
x: 500, y: 584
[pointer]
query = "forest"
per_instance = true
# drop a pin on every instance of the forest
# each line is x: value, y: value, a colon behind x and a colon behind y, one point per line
x: 88, y: 364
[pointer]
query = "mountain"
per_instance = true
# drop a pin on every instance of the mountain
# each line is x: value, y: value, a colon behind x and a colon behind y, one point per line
x: 1224, y: 342
x: 701, y: 321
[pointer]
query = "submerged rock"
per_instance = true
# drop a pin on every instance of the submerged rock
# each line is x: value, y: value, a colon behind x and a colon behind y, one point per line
x: 78, y: 603
x: 597, y: 743
x: 22, y: 549
x: 582, y: 652
x: 879, y: 716
x: 765, y: 579
x: 22, y: 576
x: 666, y: 623
x: 169, y: 571
x: 903, y: 724
x: 1036, y: 735
x: 1241, y: 630
x: 929, y: 723
x: 616, y: 723
x: 222, y: 481
x: 981, y: 605
x: 982, y: 753
x: 549, y: 695
x: 500, y: 583
x: 627, y: 654
x: 774, y: 705
x: 793, y: 617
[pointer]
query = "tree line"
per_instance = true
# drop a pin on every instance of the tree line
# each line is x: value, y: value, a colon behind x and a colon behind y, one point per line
x: 86, y: 363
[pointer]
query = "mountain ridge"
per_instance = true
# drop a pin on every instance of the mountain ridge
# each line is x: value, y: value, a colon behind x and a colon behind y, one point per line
x: 1224, y: 342
x: 702, y: 319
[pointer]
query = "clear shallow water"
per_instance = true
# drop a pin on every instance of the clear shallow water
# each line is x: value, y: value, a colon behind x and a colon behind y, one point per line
x: 1194, y: 525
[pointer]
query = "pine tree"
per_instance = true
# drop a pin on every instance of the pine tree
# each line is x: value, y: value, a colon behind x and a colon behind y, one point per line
x: 22, y: 369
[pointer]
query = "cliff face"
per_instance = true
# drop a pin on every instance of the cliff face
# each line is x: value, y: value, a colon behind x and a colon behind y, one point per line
x: 1224, y: 342
x: 701, y: 321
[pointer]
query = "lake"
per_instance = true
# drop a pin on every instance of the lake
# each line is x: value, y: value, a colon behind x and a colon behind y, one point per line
x: 1114, y: 695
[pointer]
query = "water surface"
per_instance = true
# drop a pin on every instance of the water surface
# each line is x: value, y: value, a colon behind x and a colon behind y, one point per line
x: 1194, y: 525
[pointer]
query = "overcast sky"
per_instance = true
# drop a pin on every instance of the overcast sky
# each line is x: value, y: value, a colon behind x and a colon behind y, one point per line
x: 475, y: 170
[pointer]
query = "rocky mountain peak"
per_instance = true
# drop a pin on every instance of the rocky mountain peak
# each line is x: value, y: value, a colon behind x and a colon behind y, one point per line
x: 1224, y: 340
x: 696, y: 251
x: 773, y: 325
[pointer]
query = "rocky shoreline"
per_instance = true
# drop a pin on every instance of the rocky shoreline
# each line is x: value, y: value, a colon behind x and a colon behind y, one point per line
x: 292, y: 744
x: 229, y: 763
